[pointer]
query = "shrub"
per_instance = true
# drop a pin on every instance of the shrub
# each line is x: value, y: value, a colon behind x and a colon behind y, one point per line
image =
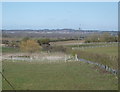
x: 29, y: 46
x: 43, y: 41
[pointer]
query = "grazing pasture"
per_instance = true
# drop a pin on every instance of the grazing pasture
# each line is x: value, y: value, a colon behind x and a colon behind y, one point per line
x: 62, y: 75
x: 9, y: 50
x: 103, y: 55
x: 112, y: 51
x: 72, y: 75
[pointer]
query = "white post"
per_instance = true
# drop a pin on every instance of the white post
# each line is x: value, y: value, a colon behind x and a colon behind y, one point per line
x: 76, y: 57
x: 65, y: 58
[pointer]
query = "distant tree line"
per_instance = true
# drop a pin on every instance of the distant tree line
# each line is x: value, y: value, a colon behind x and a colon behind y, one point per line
x: 105, y: 37
x: 33, y: 45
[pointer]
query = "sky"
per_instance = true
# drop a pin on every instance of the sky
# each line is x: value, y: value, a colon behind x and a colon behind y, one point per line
x: 58, y: 15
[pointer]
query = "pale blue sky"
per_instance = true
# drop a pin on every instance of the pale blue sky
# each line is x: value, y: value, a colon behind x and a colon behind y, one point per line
x: 54, y: 15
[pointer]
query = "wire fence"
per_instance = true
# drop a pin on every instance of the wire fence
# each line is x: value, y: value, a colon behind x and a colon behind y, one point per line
x: 85, y: 47
x: 65, y: 59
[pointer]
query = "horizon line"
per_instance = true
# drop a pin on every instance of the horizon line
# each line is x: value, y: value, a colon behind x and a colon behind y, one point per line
x: 59, y: 29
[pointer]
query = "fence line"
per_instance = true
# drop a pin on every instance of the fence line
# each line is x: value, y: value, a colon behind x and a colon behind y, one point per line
x: 67, y: 58
x: 101, y: 43
x: 46, y: 58
x: 107, y: 68
x: 83, y: 47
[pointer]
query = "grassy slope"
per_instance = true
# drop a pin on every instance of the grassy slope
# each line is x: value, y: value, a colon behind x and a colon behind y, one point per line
x: 72, y: 76
x: 91, y: 54
x: 104, y: 50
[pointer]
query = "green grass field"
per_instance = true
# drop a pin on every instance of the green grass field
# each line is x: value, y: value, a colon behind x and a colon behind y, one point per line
x: 103, y: 55
x: 9, y: 50
x: 57, y: 76
x: 112, y: 51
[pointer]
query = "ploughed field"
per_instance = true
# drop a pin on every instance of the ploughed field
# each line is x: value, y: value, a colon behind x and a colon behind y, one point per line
x: 74, y: 75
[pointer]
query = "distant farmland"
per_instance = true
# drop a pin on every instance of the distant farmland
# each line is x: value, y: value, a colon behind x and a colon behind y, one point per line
x: 57, y: 64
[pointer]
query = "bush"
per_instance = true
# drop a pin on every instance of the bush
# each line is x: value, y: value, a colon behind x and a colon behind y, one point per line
x: 43, y: 41
x: 29, y: 46
x: 105, y: 37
